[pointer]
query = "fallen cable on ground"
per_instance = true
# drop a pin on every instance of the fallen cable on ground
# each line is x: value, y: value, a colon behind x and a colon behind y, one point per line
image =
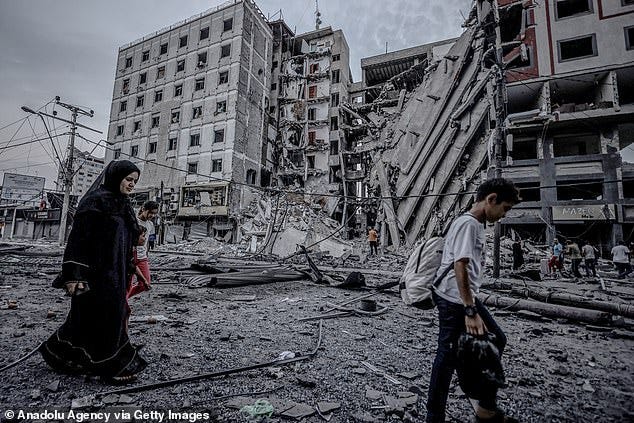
x: 172, y: 382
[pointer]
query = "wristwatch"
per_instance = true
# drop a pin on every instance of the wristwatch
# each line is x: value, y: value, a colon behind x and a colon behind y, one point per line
x: 470, y: 310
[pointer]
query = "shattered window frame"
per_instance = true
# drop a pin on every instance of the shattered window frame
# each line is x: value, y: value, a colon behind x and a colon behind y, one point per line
x: 312, y: 113
x: 192, y: 168
x: 223, y: 77
x: 172, y: 144
x: 201, y: 59
x: 140, y: 101
x: 197, y: 112
x: 312, y: 91
x: 182, y: 41
x: 123, y: 106
x: 137, y: 126
x: 120, y: 130
x: 134, y: 150
x: 163, y: 49
x: 180, y: 66
x: 175, y: 116
x: 142, y: 78
x: 128, y: 62
x: 156, y: 120
x: 194, y: 140
x: 160, y: 72
x: 336, y: 76
x: 178, y: 90
x: 334, y: 123
x: 126, y: 86
x: 158, y: 96
x: 152, y: 147
x: 227, y: 25
x: 216, y: 165
x: 221, y: 106
x: 334, y: 99
x: 203, y: 34
x: 145, y: 56
x: 199, y: 84
x: 225, y: 51
x: 117, y: 153
x: 219, y: 136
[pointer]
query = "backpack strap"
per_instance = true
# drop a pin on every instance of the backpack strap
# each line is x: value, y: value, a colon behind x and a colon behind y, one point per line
x: 442, y: 276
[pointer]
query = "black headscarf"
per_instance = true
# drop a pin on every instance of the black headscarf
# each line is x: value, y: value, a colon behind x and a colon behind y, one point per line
x: 106, y: 192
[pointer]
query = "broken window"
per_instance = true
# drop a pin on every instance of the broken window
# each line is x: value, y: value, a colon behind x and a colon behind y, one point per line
x: 119, y: 130
x: 158, y: 96
x: 334, y: 123
x: 202, y: 59
x: 310, y: 162
x: 192, y: 168
x: 335, y: 76
x: 335, y: 57
x: 529, y: 191
x: 117, y: 153
x: 225, y: 51
x: 163, y: 49
x: 272, y: 110
x: 311, y: 137
x: 171, y: 144
x: 178, y: 90
x: 123, y: 106
x: 221, y: 107
x: 273, y: 86
x: 334, y: 147
x: 134, y: 151
x: 139, y: 101
x: 312, y: 91
x: 629, y: 37
x: 223, y: 77
x: 182, y: 42
x: 204, y: 33
x: 151, y: 147
x: 579, y: 190
x: 251, y: 175
x: 216, y: 165
x: 566, y: 8
x: 143, y: 78
x: 128, y: 62
x: 194, y: 140
x: 576, y: 145
x: 524, y: 149
x: 145, y: 56
x: 126, y: 86
x: 312, y: 114
x: 219, y: 135
x: 160, y: 72
x: 577, y: 48
x: 180, y: 65
x: 197, y: 112
x: 227, y: 24
x: 200, y: 84
x: 176, y: 116
x: 334, y: 99
x: 156, y: 120
x: 314, y: 68
x: 137, y: 126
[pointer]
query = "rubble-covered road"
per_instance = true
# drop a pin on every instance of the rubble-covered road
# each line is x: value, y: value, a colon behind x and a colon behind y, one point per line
x: 370, y: 368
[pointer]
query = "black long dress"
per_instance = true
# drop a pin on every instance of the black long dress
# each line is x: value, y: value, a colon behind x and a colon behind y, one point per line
x: 94, y: 340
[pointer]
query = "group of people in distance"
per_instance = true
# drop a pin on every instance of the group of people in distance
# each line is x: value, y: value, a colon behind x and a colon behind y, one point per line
x: 101, y: 276
x: 588, y: 253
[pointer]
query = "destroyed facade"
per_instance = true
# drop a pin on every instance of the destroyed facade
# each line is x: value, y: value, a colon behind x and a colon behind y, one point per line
x: 87, y: 169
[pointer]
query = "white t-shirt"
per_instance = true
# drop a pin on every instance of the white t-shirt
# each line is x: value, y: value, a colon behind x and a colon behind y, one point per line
x: 588, y: 251
x: 620, y: 254
x: 465, y: 239
x: 141, y: 250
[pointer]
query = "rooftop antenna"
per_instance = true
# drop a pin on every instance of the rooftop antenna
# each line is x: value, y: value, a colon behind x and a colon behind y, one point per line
x: 317, y: 15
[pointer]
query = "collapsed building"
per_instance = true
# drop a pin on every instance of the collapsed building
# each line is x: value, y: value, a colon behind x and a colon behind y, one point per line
x: 568, y: 117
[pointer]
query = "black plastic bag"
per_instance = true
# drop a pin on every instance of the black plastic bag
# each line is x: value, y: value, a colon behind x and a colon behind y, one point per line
x: 479, y: 366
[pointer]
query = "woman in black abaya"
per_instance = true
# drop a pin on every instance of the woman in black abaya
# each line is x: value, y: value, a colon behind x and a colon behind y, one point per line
x: 97, y: 263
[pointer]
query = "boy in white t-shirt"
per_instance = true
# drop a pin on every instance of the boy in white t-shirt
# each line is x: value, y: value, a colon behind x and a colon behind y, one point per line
x: 459, y: 310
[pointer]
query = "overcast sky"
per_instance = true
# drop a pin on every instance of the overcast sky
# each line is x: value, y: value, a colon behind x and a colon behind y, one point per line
x: 69, y: 48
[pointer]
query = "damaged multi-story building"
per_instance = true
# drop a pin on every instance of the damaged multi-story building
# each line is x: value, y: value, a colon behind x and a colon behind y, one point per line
x: 86, y: 170
x: 190, y: 106
x: 535, y: 91
x: 569, y: 131
x: 311, y: 75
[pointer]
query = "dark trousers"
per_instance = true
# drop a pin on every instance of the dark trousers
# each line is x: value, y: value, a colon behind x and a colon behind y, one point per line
x: 624, y: 269
x: 575, y: 267
x: 590, y: 267
x: 373, y: 248
x: 451, y: 321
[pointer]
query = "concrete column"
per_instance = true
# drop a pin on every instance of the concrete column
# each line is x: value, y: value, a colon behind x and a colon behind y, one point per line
x: 612, y: 170
x: 549, y: 180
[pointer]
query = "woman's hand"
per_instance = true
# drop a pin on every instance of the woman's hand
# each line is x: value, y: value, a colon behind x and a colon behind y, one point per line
x: 75, y: 287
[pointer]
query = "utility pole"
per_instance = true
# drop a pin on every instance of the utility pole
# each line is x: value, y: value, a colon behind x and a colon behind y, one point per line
x: 69, y: 172
x: 500, y: 116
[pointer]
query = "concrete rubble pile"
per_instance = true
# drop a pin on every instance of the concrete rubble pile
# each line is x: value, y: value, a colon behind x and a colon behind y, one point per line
x: 432, y: 140
x: 278, y: 226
